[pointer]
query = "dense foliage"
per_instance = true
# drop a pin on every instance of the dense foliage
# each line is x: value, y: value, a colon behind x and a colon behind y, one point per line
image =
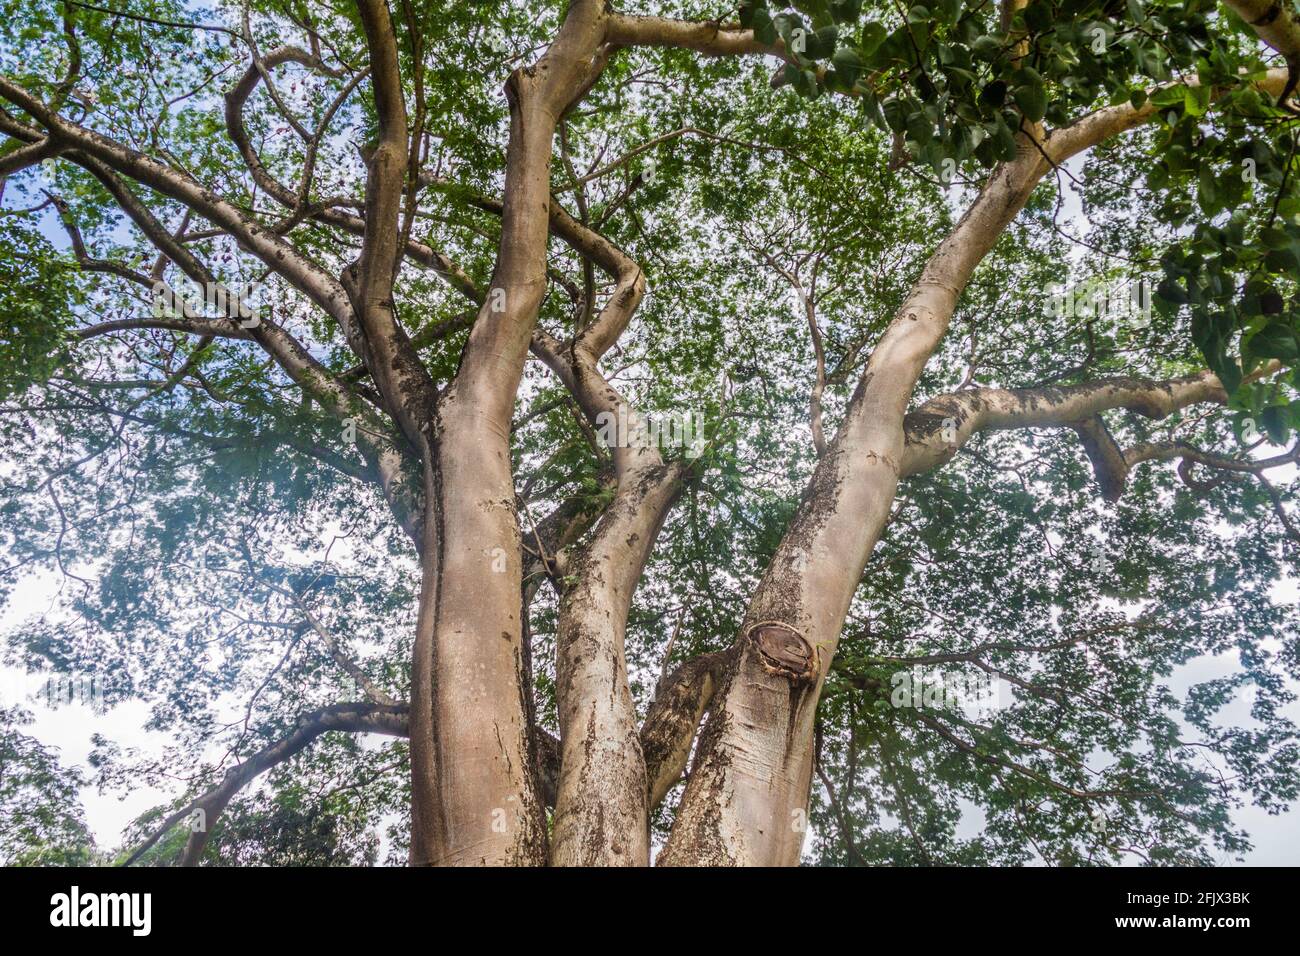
x: 198, y: 506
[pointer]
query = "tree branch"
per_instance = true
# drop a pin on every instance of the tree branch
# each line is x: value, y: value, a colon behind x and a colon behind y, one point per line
x: 350, y: 718
x: 674, y: 717
x: 280, y: 256
x: 936, y: 430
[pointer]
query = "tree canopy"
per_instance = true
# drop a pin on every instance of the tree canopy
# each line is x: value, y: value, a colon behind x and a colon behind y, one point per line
x: 1096, y: 471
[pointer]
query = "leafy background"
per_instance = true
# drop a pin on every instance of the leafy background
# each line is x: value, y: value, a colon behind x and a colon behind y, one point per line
x: 162, y: 556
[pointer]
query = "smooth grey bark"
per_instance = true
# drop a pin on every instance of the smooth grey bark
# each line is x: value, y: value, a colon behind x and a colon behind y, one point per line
x: 475, y: 794
x: 601, y: 816
x: 746, y: 801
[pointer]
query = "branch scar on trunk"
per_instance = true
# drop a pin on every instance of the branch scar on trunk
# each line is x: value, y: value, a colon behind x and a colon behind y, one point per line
x: 783, y: 651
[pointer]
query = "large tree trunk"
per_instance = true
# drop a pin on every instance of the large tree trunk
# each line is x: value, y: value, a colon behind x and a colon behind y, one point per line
x: 601, y: 812
x: 475, y: 796
x: 747, y: 798
x: 476, y: 793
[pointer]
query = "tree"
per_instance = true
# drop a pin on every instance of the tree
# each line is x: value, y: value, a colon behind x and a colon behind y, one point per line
x: 449, y: 374
x: 42, y: 823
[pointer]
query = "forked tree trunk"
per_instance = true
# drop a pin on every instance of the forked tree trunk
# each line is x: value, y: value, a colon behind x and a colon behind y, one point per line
x: 475, y: 795
x: 601, y: 813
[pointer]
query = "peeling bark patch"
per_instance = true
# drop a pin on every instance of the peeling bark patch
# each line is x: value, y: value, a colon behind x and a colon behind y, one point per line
x: 783, y: 650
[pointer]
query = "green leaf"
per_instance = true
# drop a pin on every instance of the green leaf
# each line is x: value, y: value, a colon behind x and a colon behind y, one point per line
x: 1004, y: 142
x: 994, y: 94
x: 986, y: 48
x: 1274, y: 340
x: 1274, y: 238
x: 1207, y: 191
x: 846, y: 11
x: 1196, y: 100
x: 819, y: 11
x: 848, y: 64
x: 873, y: 35
x: 1032, y: 101
x: 948, y: 10
x: 822, y: 43
x: 1276, y: 425
x: 1039, y: 16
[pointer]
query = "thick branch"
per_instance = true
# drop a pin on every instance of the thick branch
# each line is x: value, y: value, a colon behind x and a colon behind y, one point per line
x: 26, y: 155
x: 941, y: 426
x: 386, y: 461
x: 350, y: 718
x: 372, y: 691
x: 1102, y: 124
x: 1107, y: 457
x: 937, y: 429
x: 238, y: 96
x: 711, y: 38
x: 674, y: 717
x: 393, y: 361
x: 1277, y: 26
